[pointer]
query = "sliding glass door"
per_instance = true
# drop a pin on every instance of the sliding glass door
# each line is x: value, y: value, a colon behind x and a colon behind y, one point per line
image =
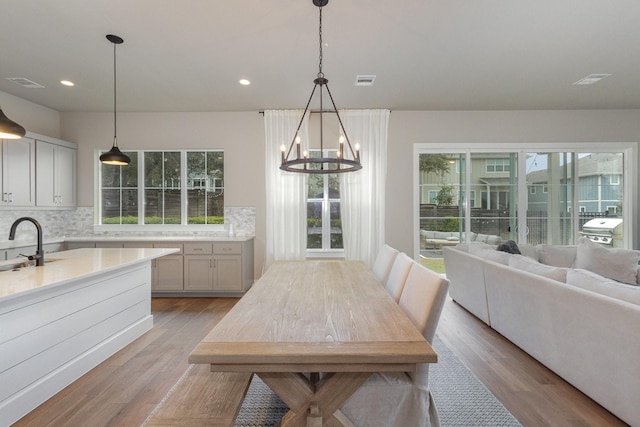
x: 530, y: 196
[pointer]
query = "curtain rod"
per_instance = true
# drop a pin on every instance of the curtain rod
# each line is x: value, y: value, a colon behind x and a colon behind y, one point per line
x: 314, y: 111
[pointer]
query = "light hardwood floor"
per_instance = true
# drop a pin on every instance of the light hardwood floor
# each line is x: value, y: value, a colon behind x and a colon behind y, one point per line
x: 124, y: 389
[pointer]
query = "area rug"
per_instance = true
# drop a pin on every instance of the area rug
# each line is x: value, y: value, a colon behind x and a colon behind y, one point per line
x: 462, y: 400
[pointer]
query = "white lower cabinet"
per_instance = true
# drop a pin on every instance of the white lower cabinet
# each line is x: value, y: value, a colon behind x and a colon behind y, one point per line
x: 167, y: 274
x: 198, y: 273
x: 167, y: 271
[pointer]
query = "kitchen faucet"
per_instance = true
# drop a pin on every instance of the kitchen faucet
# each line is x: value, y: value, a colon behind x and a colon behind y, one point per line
x: 39, y: 256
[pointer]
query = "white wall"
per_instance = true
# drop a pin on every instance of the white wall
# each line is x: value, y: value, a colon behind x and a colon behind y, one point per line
x: 33, y: 117
x: 241, y: 135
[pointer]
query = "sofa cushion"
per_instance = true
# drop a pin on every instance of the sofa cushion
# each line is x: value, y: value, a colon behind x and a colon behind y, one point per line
x: 529, y: 251
x: 614, y: 263
x: 557, y: 255
x: 488, y: 252
x: 442, y: 235
x: 595, y: 283
x: 525, y: 263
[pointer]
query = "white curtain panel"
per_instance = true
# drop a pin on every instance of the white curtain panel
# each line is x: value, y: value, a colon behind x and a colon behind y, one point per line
x: 286, y: 234
x: 362, y: 193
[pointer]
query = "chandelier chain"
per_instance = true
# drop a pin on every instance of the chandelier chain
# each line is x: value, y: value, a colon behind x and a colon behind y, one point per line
x: 320, y: 73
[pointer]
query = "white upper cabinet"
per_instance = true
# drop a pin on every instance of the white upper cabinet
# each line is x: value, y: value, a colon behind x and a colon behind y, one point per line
x: 56, y: 168
x: 18, y: 173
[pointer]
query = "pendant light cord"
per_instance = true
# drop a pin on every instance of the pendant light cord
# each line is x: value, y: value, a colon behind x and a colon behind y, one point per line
x: 115, y: 116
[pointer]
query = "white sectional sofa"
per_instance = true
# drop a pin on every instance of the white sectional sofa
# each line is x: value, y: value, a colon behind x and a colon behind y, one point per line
x: 579, y: 322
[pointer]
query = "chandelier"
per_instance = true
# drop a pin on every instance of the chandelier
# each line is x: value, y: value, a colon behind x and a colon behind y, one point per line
x: 347, y: 159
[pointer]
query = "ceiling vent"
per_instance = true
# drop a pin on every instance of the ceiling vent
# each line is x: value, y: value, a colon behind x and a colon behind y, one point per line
x: 591, y: 79
x: 365, y: 80
x: 25, y: 82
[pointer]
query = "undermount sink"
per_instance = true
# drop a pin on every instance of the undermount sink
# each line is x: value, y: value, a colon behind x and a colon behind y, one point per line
x: 19, y: 265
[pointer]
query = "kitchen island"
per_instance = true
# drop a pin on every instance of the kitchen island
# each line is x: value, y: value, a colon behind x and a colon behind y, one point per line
x: 64, y: 318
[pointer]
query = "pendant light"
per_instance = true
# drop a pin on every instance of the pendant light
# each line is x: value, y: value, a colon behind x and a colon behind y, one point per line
x: 115, y: 156
x: 345, y: 161
x: 10, y: 129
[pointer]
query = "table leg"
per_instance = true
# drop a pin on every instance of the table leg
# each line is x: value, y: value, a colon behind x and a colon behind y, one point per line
x: 300, y: 395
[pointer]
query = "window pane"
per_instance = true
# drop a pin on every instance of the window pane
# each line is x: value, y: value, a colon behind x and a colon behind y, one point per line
x: 130, y: 172
x: 549, y: 217
x: 205, y: 187
x: 162, y: 188
x: 316, y: 186
x: 494, y: 216
x: 600, y: 192
x: 130, y: 206
x: 111, y: 206
x: 314, y: 225
x: 336, y: 226
x: 441, y: 192
x: 120, y: 206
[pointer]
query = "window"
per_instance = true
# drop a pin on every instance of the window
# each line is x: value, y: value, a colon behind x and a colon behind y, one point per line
x: 433, y: 196
x: 150, y: 190
x: 324, y: 222
x: 553, y: 183
x: 497, y: 165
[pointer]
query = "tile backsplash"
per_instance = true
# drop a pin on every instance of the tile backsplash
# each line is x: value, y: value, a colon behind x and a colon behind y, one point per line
x: 79, y: 222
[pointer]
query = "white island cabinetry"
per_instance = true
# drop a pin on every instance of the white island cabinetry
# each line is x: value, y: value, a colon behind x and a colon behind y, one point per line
x: 62, y: 319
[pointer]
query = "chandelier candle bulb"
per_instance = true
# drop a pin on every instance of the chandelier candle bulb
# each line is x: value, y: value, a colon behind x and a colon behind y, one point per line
x: 283, y: 148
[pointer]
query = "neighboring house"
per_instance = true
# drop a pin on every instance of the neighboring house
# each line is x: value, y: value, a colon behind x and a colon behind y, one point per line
x: 493, y: 185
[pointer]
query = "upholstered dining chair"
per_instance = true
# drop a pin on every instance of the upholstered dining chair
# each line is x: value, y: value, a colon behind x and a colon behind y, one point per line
x: 399, y: 399
x: 398, y: 275
x: 383, y: 262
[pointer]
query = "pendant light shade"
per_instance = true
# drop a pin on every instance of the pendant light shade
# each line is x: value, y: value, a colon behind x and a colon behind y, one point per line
x: 115, y: 156
x: 10, y: 129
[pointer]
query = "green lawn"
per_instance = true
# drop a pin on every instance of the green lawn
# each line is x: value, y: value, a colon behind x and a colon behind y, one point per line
x: 435, y: 264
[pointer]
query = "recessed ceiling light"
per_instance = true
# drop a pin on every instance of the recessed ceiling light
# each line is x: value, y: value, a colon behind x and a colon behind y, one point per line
x: 245, y: 82
x: 67, y: 83
x: 591, y: 79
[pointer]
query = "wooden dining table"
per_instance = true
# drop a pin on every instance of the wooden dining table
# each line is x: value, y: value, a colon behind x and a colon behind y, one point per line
x: 304, y: 317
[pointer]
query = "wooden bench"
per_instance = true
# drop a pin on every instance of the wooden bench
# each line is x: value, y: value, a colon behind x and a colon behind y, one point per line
x: 203, y: 398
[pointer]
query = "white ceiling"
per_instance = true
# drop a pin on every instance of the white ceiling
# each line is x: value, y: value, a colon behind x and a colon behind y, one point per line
x: 427, y: 54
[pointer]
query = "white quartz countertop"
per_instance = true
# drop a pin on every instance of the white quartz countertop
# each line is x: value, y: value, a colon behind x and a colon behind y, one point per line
x: 155, y: 238
x: 8, y: 244
x: 67, y: 266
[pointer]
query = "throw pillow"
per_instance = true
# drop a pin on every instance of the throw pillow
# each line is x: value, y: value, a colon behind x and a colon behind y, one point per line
x: 557, y: 255
x: 527, y: 264
x: 595, y: 283
x: 509, y: 247
x: 614, y: 263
